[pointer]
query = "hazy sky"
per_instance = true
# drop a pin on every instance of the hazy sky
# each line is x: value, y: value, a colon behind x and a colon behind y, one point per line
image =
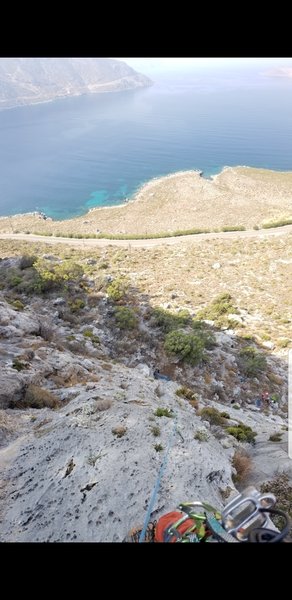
x: 152, y: 65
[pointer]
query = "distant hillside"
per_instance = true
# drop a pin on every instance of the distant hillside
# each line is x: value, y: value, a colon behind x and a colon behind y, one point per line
x: 32, y: 80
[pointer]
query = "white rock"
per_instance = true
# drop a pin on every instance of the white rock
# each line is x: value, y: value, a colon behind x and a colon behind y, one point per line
x: 143, y: 368
x: 269, y: 345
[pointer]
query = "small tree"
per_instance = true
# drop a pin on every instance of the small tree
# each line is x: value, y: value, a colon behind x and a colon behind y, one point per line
x: 125, y: 317
x: 252, y: 362
x: 188, y: 347
x: 116, y: 290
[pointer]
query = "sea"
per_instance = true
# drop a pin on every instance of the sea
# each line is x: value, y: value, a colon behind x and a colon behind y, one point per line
x: 67, y: 156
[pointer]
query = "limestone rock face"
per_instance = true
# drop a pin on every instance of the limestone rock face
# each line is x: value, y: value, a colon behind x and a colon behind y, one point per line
x: 11, y: 389
x: 81, y: 449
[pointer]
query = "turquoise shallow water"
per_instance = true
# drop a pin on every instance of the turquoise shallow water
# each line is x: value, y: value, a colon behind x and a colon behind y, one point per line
x: 70, y: 155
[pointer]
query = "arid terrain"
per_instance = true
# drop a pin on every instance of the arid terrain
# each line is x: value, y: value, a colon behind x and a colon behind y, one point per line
x: 236, y: 198
x: 105, y: 345
x: 84, y: 423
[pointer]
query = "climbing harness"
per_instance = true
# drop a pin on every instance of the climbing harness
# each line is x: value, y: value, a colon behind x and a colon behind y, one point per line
x: 246, y: 518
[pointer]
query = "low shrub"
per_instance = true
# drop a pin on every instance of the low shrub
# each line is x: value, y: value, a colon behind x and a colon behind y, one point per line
x: 185, y: 392
x: 169, y: 321
x: 164, y: 412
x: 251, y: 362
x: 212, y: 415
x: 187, y: 347
x: 18, y: 365
x: 243, y: 433
x: 201, y: 435
x: 155, y: 430
x: 225, y: 415
x: 158, y: 447
x: 18, y: 305
x: 119, y: 431
x: 37, y: 397
x: 276, y: 437
x: 221, y: 306
x: 117, y: 289
x: 125, y: 317
x: 242, y: 463
x: 281, y: 486
x: 76, y: 305
x: 88, y: 333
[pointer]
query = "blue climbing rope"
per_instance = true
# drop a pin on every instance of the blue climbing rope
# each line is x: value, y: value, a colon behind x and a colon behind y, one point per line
x: 157, y: 484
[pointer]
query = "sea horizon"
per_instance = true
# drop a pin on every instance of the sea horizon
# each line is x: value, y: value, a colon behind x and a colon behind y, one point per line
x: 67, y: 156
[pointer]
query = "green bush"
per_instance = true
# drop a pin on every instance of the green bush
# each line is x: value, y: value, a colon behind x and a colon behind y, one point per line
x: 274, y: 397
x: 233, y: 228
x: 219, y: 307
x: 116, y: 290
x: 76, y: 305
x: 189, y: 395
x: 18, y: 305
x: 125, y: 317
x: 185, y: 392
x: 155, y: 430
x: 15, y: 280
x: 55, y: 275
x: 169, y: 321
x: 276, y: 437
x: 18, y: 365
x: 201, y: 435
x: 187, y: 347
x: 204, y: 332
x: 248, y: 337
x: 242, y: 433
x: 251, y: 362
x: 212, y: 415
x: 164, y: 412
x: 88, y: 333
x: 279, y: 223
x: 158, y: 447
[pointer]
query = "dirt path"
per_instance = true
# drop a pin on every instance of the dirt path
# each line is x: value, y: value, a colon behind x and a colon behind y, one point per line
x: 83, y: 243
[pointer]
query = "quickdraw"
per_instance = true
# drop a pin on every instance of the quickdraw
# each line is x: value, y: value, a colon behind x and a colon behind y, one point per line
x: 246, y: 518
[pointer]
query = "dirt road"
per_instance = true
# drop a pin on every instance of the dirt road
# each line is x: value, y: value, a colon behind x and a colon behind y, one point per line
x: 149, y: 243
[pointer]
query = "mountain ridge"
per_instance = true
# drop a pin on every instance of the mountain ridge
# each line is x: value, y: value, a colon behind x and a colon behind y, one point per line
x: 25, y: 81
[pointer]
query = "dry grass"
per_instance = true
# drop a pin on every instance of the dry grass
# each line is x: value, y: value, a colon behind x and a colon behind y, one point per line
x: 282, y: 489
x: 242, y: 463
x: 119, y: 431
x: 103, y: 405
x: 37, y: 397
